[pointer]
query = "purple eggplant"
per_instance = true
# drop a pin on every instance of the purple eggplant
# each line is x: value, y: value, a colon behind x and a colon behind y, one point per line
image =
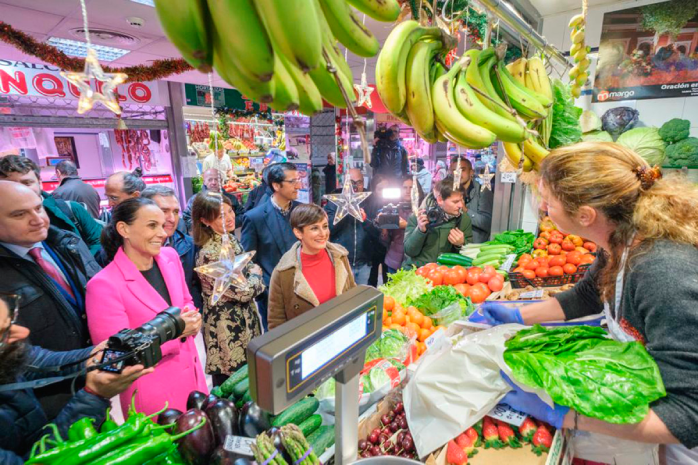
x: 224, y: 419
x: 222, y: 456
x: 198, y: 446
x: 169, y: 416
x: 196, y: 400
x: 211, y: 398
x: 253, y: 420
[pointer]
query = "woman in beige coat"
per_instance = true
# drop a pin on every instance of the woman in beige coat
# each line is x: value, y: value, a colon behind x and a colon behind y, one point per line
x: 312, y: 272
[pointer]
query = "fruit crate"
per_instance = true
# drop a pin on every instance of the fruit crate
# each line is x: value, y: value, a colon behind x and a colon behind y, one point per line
x: 519, y: 281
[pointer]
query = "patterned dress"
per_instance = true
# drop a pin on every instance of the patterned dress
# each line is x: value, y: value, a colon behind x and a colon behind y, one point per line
x: 233, y: 321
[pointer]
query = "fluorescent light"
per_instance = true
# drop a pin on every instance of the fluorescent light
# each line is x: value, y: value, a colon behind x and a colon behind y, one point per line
x: 145, y: 2
x: 79, y: 49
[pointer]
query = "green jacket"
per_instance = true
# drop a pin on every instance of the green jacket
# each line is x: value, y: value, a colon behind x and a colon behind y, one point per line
x: 73, y: 217
x: 422, y: 248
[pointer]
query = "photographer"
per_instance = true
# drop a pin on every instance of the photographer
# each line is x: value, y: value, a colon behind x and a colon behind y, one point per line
x: 22, y: 419
x: 394, y: 239
x: 389, y: 157
x: 440, y: 229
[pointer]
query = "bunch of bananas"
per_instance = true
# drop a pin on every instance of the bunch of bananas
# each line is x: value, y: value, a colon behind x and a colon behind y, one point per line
x: 579, y: 51
x: 532, y: 74
x: 280, y: 52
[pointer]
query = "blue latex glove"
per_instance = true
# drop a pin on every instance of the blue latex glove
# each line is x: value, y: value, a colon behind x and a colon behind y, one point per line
x: 532, y: 405
x: 496, y: 314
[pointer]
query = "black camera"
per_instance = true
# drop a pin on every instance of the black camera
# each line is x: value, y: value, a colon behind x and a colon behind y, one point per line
x: 436, y: 217
x: 142, y: 345
x: 389, y: 216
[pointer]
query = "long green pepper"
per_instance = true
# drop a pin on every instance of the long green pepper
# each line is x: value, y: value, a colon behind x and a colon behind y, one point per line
x: 82, y: 429
x: 109, y: 423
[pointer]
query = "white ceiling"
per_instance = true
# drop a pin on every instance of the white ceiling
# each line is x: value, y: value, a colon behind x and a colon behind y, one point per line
x: 55, y: 18
x: 552, y: 7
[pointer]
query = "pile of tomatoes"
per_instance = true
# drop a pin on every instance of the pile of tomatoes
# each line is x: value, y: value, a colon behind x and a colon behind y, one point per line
x: 408, y: 320
x: 551, y: 241
x: 552, y: 265
x: 474, y: 282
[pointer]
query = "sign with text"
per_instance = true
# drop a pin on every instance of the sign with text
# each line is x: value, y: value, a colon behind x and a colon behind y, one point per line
x: 200, y: 96
x: 50, y: 186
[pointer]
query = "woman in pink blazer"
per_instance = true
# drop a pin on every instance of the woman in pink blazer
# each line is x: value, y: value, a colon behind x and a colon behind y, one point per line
x: 142, y: 280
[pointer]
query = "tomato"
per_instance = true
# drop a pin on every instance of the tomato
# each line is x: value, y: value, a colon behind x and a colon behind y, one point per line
x: 488, y: 272
x: 556, y: 238
x: 436, y: 277
x: 575, y: 258
x: 477, y: 295
x: 540, y: 243
x: 541, y: 261
x: 542, y: 271
x: 451, y: 277
x: 473, y: 274
x: 556, y: 271
x: 518, y: 269
x: 587, y: 259
x: 462, y: 273
x: 576, y: 240
x: 540, y: 253
x: 590, y: 246
x: 568, y: 246
x: 545, y: 235
x: 557, y: 260
x: 554, y: 249
x: 495, y: 284
x: 547, y: 225
x: 524, y: 258
x: 569, y: 269
x: 532, y: 265
x: 430, y: 266
x: 423, y: 271
x: 443, y: 268
x: 462, y: 289
x: 529, y: 274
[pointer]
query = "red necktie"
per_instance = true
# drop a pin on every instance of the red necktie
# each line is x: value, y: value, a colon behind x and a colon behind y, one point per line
x: 50, y: 270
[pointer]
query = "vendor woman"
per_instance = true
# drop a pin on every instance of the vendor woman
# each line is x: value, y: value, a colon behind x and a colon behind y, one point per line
x: 645, y: 282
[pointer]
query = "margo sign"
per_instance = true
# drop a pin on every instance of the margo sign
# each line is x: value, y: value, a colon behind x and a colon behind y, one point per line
x: 32, y: 79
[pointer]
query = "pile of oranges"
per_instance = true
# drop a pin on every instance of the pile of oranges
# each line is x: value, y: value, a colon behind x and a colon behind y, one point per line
x: 408, y: 320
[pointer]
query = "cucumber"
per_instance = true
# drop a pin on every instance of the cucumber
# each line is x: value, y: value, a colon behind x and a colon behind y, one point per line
x: 322, y: 439
x: 309, y: 426
x: 229, y: 384
x: 241, y: 387
x: 245, y: 399
x: 297, y: 413
x: 453, y: 259
x: 493, y: 252
x: 482, y: 261
x: 217, y: 391
x: 496, y: 246
x: 490, y: 255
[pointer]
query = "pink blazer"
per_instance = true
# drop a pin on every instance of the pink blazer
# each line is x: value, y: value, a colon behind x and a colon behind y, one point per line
x: 119, y: 297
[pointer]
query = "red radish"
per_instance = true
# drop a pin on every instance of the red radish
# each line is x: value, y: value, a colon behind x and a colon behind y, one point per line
x: 528, y: 429
x: 490, y: 434
x: 507, y: 435
x: 466, y: 443
x: 455, y: 455
x: 474, y: 435
x: 542, y: 440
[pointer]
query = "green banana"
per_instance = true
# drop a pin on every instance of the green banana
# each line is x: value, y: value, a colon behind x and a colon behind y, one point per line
x: 348, y: 29
x: 187, y: 24
x: 418, y: 106
x: 249, y: 44
x: 437, y: 70
x: 294, y: 27
x: 449, y: 119
x: 327, y: 84
x: 479, y: 77
x: 224, y: 64
x: 286, y: 96
x: 329, y: 43
x: 523, y: 101
x: 391, y: 64
x: 380, y: 10
x: 309, y: 98
x: 476, y: 111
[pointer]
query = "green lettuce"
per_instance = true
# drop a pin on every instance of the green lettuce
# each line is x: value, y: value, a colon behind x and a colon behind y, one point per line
x: 441, y: 297
x: 578, y: 366
x: 646, y: 142
x: 566, y: 128
x: 404, y: 285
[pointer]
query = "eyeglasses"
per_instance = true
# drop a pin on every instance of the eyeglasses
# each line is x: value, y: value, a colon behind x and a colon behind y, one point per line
x: 12, y: 302
x: 292, y: 181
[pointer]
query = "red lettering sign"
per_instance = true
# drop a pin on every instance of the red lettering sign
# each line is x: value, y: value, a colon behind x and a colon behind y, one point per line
x: 53, y: 89
x: 139, y: 92
x: 19, y: 82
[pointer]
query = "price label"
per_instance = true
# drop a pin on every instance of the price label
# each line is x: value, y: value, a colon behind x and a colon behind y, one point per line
x: 508, y: 263
x: 239, y: 445
x: 507, y: 414
x: 436, y: 340
x: 509, y: 177
x: 537, y: 294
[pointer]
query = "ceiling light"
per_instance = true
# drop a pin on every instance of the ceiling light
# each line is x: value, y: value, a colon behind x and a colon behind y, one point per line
x: 79, y: 49
x: 145, y: 2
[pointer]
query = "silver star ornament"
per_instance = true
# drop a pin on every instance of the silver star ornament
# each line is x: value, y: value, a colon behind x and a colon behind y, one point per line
x: 227, y: 271
x: 486, y: 179
x: 347, y: 201
x: 364, y: 91
x: 88, y: 97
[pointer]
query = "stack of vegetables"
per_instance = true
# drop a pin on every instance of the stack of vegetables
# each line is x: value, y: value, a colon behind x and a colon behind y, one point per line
x: 475, y: 283
x: 490, y: 253
x: 293, y: 448
x: 681, y: 150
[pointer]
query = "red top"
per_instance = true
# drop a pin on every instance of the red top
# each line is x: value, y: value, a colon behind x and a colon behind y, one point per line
x: 318, y: 270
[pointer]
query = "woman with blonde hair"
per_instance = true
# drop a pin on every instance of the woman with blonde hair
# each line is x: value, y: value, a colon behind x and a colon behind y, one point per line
x: 644, y: 281
x: 312, y: 272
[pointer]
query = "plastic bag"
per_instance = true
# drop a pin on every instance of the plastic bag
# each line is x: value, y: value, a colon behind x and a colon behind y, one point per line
x: 447, y: 315
x: 607, y: 449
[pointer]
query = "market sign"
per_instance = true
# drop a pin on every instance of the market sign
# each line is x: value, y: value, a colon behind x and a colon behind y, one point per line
x: 37, y: 80
x: 50, y: 186
x: 232, y: 99
x: 640, y: 58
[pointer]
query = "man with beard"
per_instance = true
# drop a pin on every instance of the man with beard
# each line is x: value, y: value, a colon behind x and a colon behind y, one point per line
x: 22, y: 419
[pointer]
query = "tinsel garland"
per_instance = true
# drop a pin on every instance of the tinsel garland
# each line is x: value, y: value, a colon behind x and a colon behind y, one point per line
x: 160, y: 69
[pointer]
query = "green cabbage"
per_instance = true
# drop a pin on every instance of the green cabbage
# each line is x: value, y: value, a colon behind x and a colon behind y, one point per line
x: 590, y: 121
x: 646, y: 142
x: 578, y: 366
x: 597, y: 136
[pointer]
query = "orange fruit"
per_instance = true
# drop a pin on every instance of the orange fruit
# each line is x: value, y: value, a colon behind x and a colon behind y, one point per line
x: 413, y: 329
x: 388, y: 303
x: 395, y: 326
x: 398, y: 317
x: 407, y: 319
x: 388, y: 321
x: 421, y: 348
x: 412, y: 309
x: 423, y: 335
x: 417, y: 318
x: 427, y: 323
x: 398, y: 307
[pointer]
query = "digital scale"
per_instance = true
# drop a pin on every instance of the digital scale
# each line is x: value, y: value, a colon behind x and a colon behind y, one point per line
x: 288, y: 362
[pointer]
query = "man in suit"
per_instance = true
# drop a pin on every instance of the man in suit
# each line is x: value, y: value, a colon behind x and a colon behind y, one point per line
x: 73, y: 188
x: 49, y: 269
x: 212, y: 183
x: 266, y: 228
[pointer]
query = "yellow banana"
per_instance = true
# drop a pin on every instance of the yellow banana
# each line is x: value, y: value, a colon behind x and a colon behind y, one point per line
x: 518, y: 70
x: 582, y: 79
x: 186, y: 24
x: 380, y: 10
x: 514, y: 155
x: 348, y: 28
x: 419, y: 106
x: 574, y: 72
x: 576, y: 91
x: 535, y: 152
x: 577, y: 20
x: 538, y: 77
x: 575, y: 48
x: 528, y: 104
x: 580, y: 55
x: 578, y: 36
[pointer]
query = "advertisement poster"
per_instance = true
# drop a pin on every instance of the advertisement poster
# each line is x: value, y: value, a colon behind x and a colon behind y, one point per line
x: 648, y: 52
x: 304, y: 175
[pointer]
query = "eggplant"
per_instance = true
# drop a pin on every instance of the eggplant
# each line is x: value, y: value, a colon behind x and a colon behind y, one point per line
x: 211, y: 398
x: 224, y: 419
x: 196, y: 400
x: 198, y: 446
x: 253, y: 420
x: 222, y: 456
x: 169, y: 416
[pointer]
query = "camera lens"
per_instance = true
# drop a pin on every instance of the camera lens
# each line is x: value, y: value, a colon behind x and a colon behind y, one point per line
x: 432, y: 215
x: 167, y: 325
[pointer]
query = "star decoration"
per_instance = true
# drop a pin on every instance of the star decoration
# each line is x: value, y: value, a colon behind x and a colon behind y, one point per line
x: 227, y: 271
x: 414, y: 196
x: 88, y: 97
x: 364, y: 91
x: 457, y: 173
x: 347, y: 202
x: 486, y: 179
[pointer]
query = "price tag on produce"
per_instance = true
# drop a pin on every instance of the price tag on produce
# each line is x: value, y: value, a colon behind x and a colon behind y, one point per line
x: 509, y: 177
x: 508, y: 263
x: 507, y: 414
x: 436, y: 340
x: 239, y: 445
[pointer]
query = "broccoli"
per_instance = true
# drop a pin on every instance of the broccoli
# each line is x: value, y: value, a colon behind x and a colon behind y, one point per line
x: 683, y: 153
x: 675, y: 130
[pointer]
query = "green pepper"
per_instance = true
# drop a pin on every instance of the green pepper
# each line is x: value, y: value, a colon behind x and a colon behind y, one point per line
x: 170, y: 457
x: 143, y: 449
x: 109, y: 423
x: 82, y: 429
